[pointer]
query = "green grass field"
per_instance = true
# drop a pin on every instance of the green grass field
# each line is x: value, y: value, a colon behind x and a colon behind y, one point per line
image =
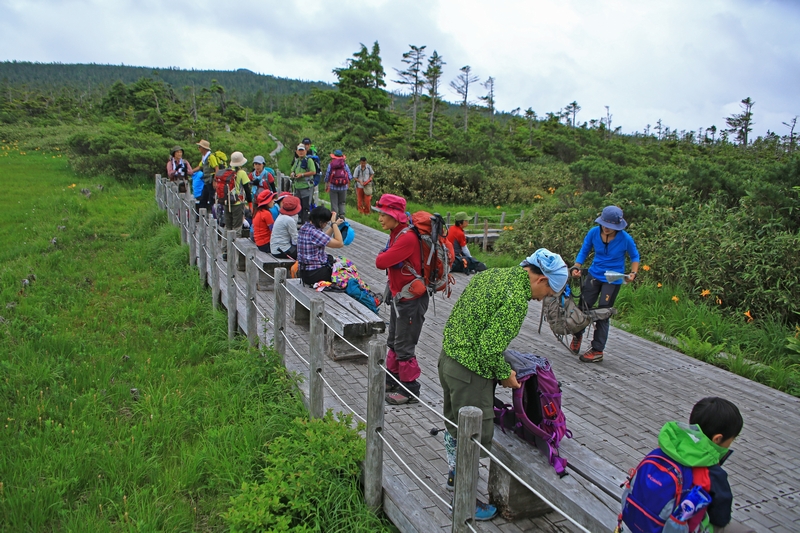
x: 125, y: 406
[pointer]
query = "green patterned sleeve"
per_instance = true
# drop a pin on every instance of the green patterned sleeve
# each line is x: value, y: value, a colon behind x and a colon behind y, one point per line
x: 503, y: 327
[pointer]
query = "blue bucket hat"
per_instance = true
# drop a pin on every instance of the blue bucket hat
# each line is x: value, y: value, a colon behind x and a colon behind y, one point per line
x: 348, y: 233
x: 611, y: 217
x: 552, y: 266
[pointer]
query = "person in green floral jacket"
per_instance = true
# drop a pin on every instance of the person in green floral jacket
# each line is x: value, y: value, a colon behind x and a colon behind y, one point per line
x: 484, y: 321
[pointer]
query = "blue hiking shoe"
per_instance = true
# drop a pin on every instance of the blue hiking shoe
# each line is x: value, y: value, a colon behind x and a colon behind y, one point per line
x: 484, y: 511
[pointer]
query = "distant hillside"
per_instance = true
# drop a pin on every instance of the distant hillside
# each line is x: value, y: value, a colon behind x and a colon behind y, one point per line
x: 241, y: 83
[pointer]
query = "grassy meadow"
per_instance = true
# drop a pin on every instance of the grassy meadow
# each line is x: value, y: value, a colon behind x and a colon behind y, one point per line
x: 125, y: 407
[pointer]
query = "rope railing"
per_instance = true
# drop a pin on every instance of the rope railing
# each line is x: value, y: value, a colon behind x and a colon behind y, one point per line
x: 411, y: 471
x: 528, y: 486
x: 239, y: 288
x: 270, y: 276
x: 356, y: 348
x: 261, y: 313
x: 293, y: 348
x: 330, y: 387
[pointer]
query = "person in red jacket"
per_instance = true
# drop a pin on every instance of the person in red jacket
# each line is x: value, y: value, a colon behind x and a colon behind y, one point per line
x: 408, y: 301
x: 262, y: 222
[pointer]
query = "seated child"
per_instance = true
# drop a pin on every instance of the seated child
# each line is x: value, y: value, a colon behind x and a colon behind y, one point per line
x: 693, y: 454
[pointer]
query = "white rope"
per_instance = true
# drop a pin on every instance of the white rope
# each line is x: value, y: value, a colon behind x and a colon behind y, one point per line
x: 293, y: 348
x: 469, y: 525
x: 431, y: 409
x: 259, y: 311
x: 239, y: 249
x: 340, y: 398
x: 270, y: 276
x: 526, y: 485
x: 410, y: 471
x: 239, y: 288
x: 356, y: 348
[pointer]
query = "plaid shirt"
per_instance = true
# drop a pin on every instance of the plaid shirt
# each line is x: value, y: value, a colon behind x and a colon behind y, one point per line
x: 311, y: 243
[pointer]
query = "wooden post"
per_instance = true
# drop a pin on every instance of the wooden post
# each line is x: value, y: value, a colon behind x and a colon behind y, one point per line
x: 201, y: 253
x: 252, y: 305
x: 193, y: 238
x: 316, y: 398
x: 279, y: 318
x: 164, y: 193
x: 502, y: 218
x: 521, y: 214
x: 183, y: 220
x: 373, y: 461
x: 212, y: 245
x: 476, y: 220
x: 467, y: 457
x: 158, y: 196
x: 231, y: 280
x: 485, y: 234
x: 448, y: 218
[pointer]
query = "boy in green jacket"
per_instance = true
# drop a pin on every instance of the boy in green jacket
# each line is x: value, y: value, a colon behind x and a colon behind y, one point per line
x: 484, y: 321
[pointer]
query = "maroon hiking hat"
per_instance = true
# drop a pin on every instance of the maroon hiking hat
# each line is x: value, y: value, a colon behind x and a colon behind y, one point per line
x: 394, y: 206
x: 290, y: 205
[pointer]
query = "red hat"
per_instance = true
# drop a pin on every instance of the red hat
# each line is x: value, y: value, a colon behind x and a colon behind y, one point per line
x: 394, y: 206
x: 282, y: 195
x: 264, y: 197
x: 290, y: 205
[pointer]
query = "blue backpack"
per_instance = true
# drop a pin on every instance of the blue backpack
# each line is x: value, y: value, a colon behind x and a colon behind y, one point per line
x: 318, y: 175
x: 660, y: 497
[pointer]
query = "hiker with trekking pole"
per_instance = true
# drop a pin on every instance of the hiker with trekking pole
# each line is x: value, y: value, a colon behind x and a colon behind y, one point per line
x: 611, y: 244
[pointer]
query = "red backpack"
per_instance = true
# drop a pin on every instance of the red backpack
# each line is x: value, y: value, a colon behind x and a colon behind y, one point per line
x: 225, y: 183
x: 338, y: 174
x: 437, y: 255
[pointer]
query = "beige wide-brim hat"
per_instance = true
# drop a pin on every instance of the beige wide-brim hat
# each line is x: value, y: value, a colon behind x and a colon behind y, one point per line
x: 238, y: 159
x: 204, y: 144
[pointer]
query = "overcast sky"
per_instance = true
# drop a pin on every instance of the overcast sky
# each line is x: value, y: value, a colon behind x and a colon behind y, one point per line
x: 688, y: 62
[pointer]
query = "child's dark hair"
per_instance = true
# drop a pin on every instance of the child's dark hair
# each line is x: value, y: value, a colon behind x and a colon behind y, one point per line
x: 319, y: 216
x: 717, y: 416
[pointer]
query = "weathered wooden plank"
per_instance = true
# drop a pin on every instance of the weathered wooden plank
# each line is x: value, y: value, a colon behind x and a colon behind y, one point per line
x: 580, y: 499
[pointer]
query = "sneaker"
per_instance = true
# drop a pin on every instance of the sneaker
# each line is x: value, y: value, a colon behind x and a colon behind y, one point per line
x: 398, y: 398
x: 392, y: 386
x: 575, y: 344
x: 451, y: 481
x: 592, y: 356
x: 484, y: 511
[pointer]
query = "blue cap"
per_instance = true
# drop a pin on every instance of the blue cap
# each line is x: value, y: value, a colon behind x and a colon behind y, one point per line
x: 552, y: 266
x: 611, y: 217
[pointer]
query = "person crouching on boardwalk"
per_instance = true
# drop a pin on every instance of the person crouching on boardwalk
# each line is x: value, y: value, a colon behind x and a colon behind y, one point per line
x: 408, y: 299
x: 484, y: 321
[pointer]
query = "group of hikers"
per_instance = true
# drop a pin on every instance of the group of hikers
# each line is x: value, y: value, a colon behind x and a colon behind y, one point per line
x: 484, y: 320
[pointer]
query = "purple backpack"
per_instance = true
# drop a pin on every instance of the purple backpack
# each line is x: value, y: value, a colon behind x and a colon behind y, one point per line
x: 536, y: 414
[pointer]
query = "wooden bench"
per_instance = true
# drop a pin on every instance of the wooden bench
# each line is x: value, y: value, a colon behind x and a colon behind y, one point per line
x: 345, y: 316
x: 590, y: 493
x: 267, y: 262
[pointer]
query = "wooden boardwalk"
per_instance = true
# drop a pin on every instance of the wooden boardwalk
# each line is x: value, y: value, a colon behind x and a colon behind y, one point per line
x: 615, y: 408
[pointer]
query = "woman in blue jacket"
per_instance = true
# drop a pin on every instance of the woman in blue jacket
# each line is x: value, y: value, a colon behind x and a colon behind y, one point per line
x: 610, y: 244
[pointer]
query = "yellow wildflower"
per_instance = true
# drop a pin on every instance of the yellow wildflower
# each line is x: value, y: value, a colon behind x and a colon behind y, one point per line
x: 659, y: 285
x: 719, y: 300
x: 645, y: 267
x: 748, y: 315
x: 705, y: 292
x: 675, y: 299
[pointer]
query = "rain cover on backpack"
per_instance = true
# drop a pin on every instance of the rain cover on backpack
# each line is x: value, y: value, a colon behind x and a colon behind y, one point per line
x: 567, y: 318
x: 535, y: 415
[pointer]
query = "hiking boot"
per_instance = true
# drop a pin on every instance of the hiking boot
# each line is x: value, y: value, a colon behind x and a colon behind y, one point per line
x: 451, y: 481
x: 398, y: 398
x: 575, y: 344
x: 592, y: 356
x: 484, y: 511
